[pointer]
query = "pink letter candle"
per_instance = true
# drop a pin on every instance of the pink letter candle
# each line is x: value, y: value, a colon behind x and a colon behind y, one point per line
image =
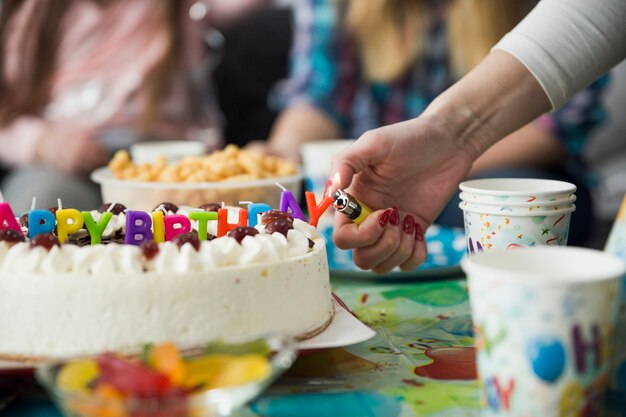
x: 175, y: 224
x: 202, y: 217
x: 7, y: 218
x: 40, y: 221
x: 96, y: 229
x: 224, y: 227
x: 158, y: 228
x: 289, y: 204
x: 68, y: 221
x: 254, y: 210
x: 316, y: 211
x: 138, y: 224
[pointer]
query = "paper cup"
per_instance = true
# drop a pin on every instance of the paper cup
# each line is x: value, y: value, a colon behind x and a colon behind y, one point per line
x: 547, y: 205
x: 491, y: 229
x: 317, y: 158
x: 517, y: 190
x: 543, y: 321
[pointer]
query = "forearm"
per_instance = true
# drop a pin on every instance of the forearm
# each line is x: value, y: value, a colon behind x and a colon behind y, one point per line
x: 298, y: 124
x: 495, y: 99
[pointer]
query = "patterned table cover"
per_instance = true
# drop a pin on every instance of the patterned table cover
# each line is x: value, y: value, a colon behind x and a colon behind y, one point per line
x: 420, y: 363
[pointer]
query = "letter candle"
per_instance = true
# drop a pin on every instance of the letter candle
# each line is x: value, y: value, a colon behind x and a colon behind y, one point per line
x: 254, y: 209
x: 202, y: 217
x: 316, y: 210
x: 68, y: 221
x: 96, y: 230
x: 138, y: 225
x: 289, y: 204
x: 158, y: 225
x: 224, y: 227
x: 7, y: 217
x: 176, y: 224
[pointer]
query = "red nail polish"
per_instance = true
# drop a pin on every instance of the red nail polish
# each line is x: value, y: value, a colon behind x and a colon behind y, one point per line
x: 394, y: 217
x: 384, y: 218
x: 419, y: 235
x: 409, y: 224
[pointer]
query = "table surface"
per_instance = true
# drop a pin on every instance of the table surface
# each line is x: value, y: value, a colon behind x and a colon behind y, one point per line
x: 420, y: 363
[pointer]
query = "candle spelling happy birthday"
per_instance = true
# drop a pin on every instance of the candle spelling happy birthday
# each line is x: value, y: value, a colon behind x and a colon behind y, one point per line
x: 142, y: 226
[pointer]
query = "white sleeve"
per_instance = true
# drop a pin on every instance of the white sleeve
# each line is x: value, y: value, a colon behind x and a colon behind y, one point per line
x: 567, y: 44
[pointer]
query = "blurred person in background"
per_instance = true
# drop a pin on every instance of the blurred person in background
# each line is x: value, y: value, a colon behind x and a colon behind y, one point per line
x: 80, y: 79
x: 357, y: 65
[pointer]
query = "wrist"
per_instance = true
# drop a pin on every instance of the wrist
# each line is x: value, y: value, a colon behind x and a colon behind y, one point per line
x: 466, y: 125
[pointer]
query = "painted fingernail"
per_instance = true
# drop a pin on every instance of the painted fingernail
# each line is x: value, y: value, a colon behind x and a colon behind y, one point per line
x: 384, y: 218
x: 394, y: 217
x: 419, y: 235
x: 409, y: 224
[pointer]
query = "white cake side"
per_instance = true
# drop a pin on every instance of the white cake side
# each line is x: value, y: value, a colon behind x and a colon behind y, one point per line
x: 73, y: 300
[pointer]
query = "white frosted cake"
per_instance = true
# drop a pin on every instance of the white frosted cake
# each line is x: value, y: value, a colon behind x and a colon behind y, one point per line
x: 72, y: 300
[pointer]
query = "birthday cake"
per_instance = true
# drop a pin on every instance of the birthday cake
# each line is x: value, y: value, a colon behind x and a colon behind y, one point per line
x: 62, y: 295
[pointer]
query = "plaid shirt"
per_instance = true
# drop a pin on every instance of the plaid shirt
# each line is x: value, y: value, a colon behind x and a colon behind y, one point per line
x: 326, y: 73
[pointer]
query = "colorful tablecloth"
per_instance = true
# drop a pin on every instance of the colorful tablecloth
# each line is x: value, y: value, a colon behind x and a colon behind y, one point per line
x: 421, y: 362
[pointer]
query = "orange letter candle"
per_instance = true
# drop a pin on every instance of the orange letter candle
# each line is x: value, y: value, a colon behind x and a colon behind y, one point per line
x: 315, y: 210
x: 224, y: 227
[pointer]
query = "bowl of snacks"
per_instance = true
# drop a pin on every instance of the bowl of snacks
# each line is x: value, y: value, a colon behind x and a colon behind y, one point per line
x: 208, y: 380
x: 230, y: 175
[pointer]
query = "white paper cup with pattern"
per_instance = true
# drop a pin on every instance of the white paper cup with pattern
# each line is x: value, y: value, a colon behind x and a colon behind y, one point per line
x: 543, y: 321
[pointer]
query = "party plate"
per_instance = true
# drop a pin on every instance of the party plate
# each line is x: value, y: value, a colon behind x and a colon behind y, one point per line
x: 446, y: 248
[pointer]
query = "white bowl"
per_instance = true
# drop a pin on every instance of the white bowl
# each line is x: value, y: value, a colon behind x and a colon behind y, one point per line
x: 145, y: 195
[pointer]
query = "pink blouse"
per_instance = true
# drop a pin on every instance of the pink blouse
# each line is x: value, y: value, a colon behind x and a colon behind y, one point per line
x: 102, y: 60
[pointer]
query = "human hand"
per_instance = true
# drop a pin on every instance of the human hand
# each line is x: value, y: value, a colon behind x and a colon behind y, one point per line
x: 71, y: 148
x: 408, y: 169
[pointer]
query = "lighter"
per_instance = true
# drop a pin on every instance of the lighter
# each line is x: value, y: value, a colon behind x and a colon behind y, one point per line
x: 350, y: 206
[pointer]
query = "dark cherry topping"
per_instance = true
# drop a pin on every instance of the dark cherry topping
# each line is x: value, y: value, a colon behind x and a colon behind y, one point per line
x: 24, y: 220
x: 117, y: 208
x: 211, y: 207
x: 149, y: 248
x: 209, y: 236
x: 270, y: 216
x: 45, y: 240
x: 166, y: 207
x: 53, y: 210
x: 281, y: 226
x: 11, y: 236
x: 238, y: 233
x: 190, y: 237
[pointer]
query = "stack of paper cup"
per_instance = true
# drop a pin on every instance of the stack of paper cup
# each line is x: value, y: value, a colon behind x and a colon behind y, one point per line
x: 505, y: 213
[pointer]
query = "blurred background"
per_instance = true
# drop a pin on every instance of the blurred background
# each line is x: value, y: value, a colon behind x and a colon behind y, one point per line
x: 82, y: 79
